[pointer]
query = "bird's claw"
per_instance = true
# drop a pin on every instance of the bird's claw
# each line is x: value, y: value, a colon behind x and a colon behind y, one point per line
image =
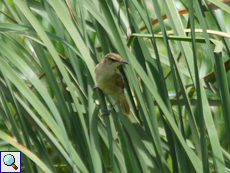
x: 95, y: 87
x: 106, y: 112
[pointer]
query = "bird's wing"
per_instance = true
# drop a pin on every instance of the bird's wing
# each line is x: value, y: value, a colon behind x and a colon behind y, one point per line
x: 119, y: 81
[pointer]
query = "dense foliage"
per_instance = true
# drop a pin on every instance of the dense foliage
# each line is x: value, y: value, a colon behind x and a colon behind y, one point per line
x: 176, y: 85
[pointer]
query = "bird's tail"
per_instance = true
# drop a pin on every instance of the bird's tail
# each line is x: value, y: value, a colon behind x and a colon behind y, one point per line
x: 124, y: 104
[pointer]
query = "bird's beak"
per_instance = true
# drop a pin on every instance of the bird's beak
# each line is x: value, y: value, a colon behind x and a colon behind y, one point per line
x: 124, y: 62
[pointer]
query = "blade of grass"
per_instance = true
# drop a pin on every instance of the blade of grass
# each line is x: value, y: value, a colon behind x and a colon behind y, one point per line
x: 216, y: 149
x: 60, y: 7
x: 204, y: 154
x: 24, y: 150
x: 127, y: 55
x: 43, y: 112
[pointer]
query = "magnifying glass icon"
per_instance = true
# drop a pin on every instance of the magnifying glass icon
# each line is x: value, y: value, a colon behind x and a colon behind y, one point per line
x: 9, y: 160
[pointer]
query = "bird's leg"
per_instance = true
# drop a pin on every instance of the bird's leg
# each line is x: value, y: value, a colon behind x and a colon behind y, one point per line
x: 107, y: 112
x: 95, y: 87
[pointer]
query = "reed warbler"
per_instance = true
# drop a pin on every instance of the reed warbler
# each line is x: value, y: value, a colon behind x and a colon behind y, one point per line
x: 111, y: 81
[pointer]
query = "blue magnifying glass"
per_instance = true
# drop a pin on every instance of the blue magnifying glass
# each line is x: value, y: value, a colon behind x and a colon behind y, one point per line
x: 9, y: 160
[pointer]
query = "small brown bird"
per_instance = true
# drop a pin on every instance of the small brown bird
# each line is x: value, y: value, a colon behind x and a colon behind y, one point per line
x: 111, y: 81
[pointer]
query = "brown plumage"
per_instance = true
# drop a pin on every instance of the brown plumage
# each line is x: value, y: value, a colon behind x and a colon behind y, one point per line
x: 111, y: 81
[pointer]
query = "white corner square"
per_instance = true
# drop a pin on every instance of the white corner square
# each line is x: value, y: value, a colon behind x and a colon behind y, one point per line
x: 10, y: 161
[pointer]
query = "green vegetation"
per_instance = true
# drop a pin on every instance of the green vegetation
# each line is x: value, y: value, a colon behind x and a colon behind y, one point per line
x: 177, y: 85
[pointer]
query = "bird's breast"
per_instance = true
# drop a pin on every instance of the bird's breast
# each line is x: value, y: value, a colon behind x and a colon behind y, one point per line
x: 106, y: 82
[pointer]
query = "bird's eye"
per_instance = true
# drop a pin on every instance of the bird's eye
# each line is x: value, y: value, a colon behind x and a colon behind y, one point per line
x: 113, y: 60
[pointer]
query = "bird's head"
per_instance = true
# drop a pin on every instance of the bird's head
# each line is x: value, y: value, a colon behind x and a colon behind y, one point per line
x: 113, y: 60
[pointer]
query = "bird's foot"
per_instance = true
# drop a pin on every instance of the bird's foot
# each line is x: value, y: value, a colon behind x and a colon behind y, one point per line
x: 106, y: 112
x: 95, y: 87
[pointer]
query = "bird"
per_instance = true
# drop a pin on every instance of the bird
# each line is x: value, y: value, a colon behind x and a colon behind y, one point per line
x: 111, y: 81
